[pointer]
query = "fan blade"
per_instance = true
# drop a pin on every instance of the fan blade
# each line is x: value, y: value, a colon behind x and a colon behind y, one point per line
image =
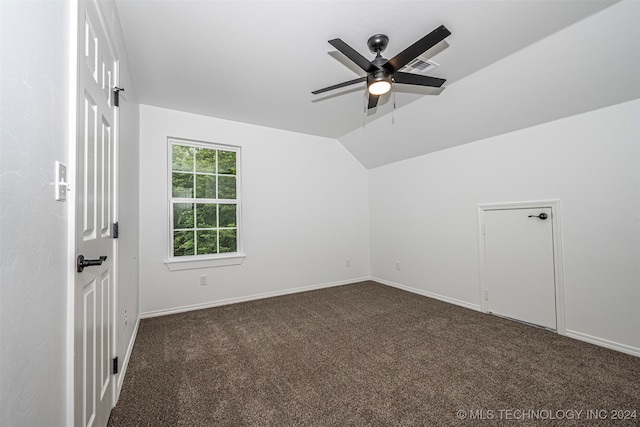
x: 415, y: 79
x: 339, y: 85
x: 373, y: 101
x: 353, y: 55
x: 416, y: 49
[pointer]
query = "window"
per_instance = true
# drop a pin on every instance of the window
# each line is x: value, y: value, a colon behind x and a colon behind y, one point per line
x: 204, y: 199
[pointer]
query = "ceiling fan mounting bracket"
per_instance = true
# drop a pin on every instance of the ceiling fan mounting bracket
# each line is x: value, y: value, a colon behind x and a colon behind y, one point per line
x: 378, y: 43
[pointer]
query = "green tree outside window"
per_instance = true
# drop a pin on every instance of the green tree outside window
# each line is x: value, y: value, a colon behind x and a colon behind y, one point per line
x: 204, y: 199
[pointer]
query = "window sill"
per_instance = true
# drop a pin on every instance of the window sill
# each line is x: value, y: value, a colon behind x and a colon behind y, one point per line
x: 190, y: 264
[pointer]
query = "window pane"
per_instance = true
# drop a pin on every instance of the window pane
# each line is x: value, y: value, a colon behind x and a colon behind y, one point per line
x: 182, y: 185
x: 183, y: 243
x: 227, y: 162
x: 206, y: 214
x: 182, y: 158
x: 227, y: 187
x: 201, y: 177
x: 205, y: 187
x: 227, y: 215
x: 228, y: 241
x: 207, y: 242
x: 182, y: 215
x: 205, y: 160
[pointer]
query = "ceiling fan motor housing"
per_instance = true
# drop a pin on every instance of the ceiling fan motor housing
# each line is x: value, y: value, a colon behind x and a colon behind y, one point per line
x: 378, y: 76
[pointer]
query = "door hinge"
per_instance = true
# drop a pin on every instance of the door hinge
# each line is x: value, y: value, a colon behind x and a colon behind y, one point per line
x: 115, y: 232
x: 486, y: 294
x: 116, y: 95
x: 115, y: 365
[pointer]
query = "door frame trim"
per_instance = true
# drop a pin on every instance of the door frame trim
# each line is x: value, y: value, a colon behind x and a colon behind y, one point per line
x: 554, y: 205
x: 72, y: 129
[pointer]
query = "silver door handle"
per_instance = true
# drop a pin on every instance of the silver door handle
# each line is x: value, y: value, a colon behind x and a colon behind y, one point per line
x: 81, y: 262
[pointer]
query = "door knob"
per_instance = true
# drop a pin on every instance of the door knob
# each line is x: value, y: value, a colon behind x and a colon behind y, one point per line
x: 542, y: 216
x: 81, y: 262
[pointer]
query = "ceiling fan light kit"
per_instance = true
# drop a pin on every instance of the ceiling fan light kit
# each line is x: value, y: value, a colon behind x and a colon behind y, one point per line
x: 382, y: 72
x: 379, y: 84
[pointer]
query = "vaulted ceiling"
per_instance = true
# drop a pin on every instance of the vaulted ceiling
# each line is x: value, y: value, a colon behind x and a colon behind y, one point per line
x: 258, y: 61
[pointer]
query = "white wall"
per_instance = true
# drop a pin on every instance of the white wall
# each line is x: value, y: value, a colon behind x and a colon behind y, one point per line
x: 33, y: 242
x: 305, y: 210
x: 37, y: 88
x: 423, y: 214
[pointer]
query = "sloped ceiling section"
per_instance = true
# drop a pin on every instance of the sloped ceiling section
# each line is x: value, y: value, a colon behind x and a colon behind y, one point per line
x: 508, y: 65
x: 589, y: 65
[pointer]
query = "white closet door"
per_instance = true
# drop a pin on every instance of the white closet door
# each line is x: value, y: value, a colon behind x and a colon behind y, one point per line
x: 519, y: 265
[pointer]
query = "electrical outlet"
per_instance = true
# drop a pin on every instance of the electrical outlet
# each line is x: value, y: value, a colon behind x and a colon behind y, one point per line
x: 203, y: 280
x: 397, y: 265
x: 348, y: 264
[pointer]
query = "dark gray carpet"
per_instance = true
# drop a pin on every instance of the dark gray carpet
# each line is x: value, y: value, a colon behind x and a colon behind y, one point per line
x: 367, y: 354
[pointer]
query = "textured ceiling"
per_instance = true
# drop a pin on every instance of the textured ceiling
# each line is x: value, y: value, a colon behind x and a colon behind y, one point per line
x: 257, y: 62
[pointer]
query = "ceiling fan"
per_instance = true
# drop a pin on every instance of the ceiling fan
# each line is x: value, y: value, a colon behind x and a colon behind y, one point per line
x: 381, y: 72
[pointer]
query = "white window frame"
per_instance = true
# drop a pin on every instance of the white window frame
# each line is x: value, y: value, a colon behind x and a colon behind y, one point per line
x: 207, y: 260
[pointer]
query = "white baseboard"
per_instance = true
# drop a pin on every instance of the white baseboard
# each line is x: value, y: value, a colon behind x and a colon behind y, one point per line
x: 156, y: 313
x: 125, y: 361
x: 604, y: 343
x: 571, y: 334
x: 428, y: 294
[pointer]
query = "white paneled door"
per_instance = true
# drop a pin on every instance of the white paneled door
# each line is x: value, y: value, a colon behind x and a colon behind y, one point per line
x: 95, y: 207
x: 519, y: 265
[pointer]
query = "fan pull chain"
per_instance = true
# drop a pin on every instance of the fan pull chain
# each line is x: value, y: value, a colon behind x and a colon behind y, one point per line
x: 393, y: 93
x: 364, y: 113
